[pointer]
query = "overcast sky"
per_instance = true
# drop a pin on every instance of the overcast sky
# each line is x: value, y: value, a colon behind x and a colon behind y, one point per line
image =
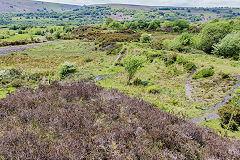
x: 184, y: 3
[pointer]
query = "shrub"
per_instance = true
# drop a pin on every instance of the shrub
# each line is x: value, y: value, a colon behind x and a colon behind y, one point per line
x: 87, y: 59
x: 132, y: 63
x: 211, y: 34
x: 67, y: 68
x: 185, y: 39
x: 204, y: 73
x: 157, y: 44
x: 228, y: 46
x: 169, y: 58
x: 190, y: 66
x: 57, y: 35
x: 49, y: 38
x: 154, y: 89
x: 139, y: 81
x: 20, y: 32
x: 2, y: 37
x: 180, y: 24
x: 224, y: 75
x: 145, y: 38
x: 39, y: 32
x: 225, y: 113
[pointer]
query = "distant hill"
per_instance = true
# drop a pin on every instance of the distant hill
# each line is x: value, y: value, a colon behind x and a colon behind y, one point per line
x: 33, y: 6
x: 131, y: 6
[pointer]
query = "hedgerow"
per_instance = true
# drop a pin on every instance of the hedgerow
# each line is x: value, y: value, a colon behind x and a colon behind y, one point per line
x: 83, y: 121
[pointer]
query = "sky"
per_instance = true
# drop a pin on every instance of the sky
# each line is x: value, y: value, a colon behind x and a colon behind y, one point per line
x: 182, y: 3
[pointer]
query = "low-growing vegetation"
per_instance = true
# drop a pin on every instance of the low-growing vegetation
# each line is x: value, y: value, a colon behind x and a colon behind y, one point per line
x: 81, y: 120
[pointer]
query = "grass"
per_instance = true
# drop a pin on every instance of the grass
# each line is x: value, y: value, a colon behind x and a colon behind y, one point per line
x: 215, y: 125
x: 5, y: 91
x: 170, y: 79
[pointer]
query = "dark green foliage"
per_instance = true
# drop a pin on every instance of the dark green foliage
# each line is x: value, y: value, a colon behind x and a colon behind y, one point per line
x: 185, y: 39
x: 212, y: 33
x: 229, y: 46
x: 169, y: 58
x: 224, y: 75
x: 204, y: 73
x: 145, y: 38
x: 132, y: 63
x: 190, y: 66
x: 180, y: 25
x: 139, y: 81
x: 225, y: 114
x: 83, y: 121
x: 66, y: 69
x: 57, y: 35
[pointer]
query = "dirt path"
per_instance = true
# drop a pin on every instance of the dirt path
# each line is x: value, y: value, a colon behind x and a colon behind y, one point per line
x: 189, y: 86
x: 10, y: 49
x: 214, y: 109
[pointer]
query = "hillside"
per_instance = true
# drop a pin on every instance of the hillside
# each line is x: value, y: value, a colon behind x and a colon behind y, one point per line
x: 83, y: 121
x: 33, y: 6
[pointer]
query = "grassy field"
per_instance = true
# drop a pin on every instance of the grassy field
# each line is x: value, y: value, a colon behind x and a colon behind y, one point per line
x: 169, y: 81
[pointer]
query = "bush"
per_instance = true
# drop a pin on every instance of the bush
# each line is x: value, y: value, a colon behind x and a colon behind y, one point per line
x: 224, y: 75
x: 67, y: 68
x: 132, y: 63
x: 39, y: 32
x: 139, y: 81
x: 87, y: 59
x: 169, y: 58
x: 57, y: 35
x: 185, y: 39
x: 20, y: 32
x: 228, y: 46
x: 211, y: 34
x: 225, y: 113
x: 204, y: 73
x: 2, y: 37
x: 145, y: 38
x: 190, y: 66
x: 154, y: 89
x: 157, y: 44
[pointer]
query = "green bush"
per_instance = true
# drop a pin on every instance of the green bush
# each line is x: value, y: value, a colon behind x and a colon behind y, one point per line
x: 57, y: 35
x: 169, y: 58
x: 228, y: 46
x: 224, y: 75
x: 204, y: 73
x: 145, y: 38
x: 39, y: 32
x: 20, y: 32
x: 157, y: 44
x: 154, y: 89
x: 185, y: 39
x: 139, y: 81
x: 211, y: 34
x: 225, y: 115
x: 87, y: 59
x: 132, y: 63
x: 2, y: 37
x: 190, y: 66
x: 66, y: 69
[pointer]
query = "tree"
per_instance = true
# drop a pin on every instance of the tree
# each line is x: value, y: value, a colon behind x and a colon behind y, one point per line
x: 181, y: 23
x: 108, y: 21
x: 115, y: 25
x: 145, y: 38
x: 132, y: 63
x: 211, y: 34
x: 229, y: 46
